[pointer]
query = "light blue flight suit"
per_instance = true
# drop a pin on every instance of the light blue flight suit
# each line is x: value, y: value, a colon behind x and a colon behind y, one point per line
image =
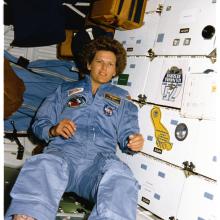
x: 85, y: 163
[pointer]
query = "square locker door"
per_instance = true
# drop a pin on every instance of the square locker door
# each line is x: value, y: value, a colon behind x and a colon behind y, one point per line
x: 185, y: 26
x: 199, y: 200
x: 159, y: 126
x: 165, y: 82
x: 139, y: 41
x: 205, y: 152
x: 134, y: 76
x: 200, y: 96
x: 161, y: 188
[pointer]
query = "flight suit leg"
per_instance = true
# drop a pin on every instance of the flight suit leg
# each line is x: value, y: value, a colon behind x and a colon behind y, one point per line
x: 117, y: 193
x: 39, y: 187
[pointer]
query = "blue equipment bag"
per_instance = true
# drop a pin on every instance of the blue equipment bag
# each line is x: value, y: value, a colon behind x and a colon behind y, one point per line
x: 41, y: 78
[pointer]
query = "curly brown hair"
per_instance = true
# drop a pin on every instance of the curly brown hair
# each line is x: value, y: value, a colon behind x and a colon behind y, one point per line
x: 107, y: 44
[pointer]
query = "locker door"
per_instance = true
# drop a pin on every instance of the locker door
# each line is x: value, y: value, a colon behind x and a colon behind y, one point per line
x: 186, y: 28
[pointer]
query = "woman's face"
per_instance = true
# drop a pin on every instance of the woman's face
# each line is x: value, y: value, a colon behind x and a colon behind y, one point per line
x: 103, y: 67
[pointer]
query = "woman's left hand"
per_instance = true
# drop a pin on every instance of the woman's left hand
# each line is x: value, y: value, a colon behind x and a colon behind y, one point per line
x: 135, y: 142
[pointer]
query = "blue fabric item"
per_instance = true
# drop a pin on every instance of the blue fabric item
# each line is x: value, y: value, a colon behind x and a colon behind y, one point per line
x: 104, y: 179
x: 41, y: 78
x: 86, y: 163
x: 37, y: 23
x: 101, y: 119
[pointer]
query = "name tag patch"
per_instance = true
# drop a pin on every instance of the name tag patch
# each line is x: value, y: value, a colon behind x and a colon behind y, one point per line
x: 76, y: 101
x: 113, y: 98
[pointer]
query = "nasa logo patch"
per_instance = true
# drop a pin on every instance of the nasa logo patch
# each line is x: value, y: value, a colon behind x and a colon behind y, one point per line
x: 76, y: 101
x: 108, y: 110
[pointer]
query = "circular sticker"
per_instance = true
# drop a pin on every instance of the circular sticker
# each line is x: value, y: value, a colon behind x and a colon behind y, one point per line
x: 181, y: 132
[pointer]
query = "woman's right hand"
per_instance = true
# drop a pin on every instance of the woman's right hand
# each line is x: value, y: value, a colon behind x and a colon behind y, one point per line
x: 65, y: 128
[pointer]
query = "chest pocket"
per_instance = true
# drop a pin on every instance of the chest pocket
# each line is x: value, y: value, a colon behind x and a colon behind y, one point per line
x: 106, y: 123
x: 107, y: 114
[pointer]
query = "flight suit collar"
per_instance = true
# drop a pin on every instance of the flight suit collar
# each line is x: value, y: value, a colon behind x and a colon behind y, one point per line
x: 88, y: 80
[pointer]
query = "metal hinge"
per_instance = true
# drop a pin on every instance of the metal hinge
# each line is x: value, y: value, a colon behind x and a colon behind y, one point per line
x: 172, y: 218
x: 212, y: 56
x: 188, y: 168
x: 151, y: 54
x: 141, y: 100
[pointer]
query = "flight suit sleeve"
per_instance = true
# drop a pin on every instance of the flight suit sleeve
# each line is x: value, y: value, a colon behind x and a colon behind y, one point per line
x: 128, y: 125
x: 48, y: 115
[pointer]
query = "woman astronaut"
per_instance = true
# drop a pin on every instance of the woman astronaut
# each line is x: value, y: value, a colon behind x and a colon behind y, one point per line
x: 83, y: 122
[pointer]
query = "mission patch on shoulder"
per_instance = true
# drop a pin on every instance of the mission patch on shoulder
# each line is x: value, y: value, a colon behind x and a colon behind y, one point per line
x: 113, y: 98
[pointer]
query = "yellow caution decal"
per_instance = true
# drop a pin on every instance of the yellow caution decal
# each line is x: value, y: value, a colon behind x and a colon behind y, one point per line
x: 161, y: 133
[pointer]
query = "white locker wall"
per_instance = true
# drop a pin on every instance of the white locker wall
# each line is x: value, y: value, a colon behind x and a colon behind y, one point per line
x: 161, y: 184
x: 166, y: 191
x: 161, y: 188
x: 199, y: 145
x: 181, y: 37
x: 167, y: 75
x: 186, y: 28
x: 199, y: 200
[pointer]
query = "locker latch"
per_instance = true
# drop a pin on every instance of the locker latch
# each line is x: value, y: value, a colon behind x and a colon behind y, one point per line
x: 188, y: 168
x: 151, y: 54
x: 141, y: 100
x: 159, y: 9
x: 172, y: 218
